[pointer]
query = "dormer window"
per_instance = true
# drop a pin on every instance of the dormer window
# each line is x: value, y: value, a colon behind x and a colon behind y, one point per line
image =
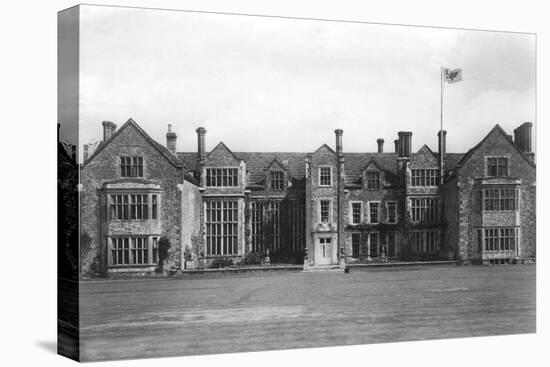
x: 131, y: 166
x: 373, y: 180
x: 276, y: 179
x: 497, y: 166
x: 325, y: 176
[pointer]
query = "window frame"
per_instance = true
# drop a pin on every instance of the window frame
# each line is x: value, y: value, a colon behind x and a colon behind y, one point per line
x: 321, y: 167
x: 221, y: 232
x: 394, y: 203
x: 377, y: 212
x: 221, y: 177
x: 131, y: 166
x: 129, y: 205
x: 425, y: 177
x: 361, y: 215
x: 320, y: 216
x: 131, y: 252
x: 498, y: 166
x: 378, y: 180
x: 280, y: 180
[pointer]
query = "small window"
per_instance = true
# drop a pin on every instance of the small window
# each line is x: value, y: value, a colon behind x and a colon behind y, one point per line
x: 356, y: 212
x: 276, y: 179
x: 325, y: 176
x: 373, y: 212
x: 131, y: 166
x: 373, y: 180
x: 324, y: 211
x: 497, y: 166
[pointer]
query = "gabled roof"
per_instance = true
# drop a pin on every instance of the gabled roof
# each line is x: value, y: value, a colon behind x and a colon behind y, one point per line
x: 325, y: 146
x: 372, y: 161
x: 276, y: 161
x: 424, y: 149
x: 354, y: 164
x: 257, y: 163
x: 221, y: 145
x: 162, y: 149
x: 497, y: 129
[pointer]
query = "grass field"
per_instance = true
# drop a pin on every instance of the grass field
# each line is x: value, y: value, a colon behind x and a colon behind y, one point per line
x: 250, y: 312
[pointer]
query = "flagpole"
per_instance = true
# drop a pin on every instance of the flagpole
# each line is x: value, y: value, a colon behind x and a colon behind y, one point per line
x: 441, y: 131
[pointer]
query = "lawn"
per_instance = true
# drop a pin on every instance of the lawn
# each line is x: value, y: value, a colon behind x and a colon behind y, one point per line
x: 261, y: 311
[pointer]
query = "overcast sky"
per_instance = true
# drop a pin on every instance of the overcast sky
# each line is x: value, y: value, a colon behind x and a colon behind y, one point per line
x: 273, y: 84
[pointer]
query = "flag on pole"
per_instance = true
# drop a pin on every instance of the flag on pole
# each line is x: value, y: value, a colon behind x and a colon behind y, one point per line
x: 452, y: 76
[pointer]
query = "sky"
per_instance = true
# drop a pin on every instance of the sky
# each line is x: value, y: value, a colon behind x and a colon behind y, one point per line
x: 275, y: 84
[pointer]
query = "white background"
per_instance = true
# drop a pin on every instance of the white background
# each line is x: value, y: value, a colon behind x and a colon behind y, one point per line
x: 28, y: 171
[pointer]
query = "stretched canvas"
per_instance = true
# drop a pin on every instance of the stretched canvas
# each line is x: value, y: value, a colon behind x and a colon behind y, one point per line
x: 233, y: 183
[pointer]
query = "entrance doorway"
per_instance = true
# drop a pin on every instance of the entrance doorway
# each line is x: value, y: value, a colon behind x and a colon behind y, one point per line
x: 325, y: 251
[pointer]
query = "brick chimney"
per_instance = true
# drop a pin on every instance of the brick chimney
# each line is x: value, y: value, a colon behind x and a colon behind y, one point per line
x: 171, y: 140
x: 405, y: 142
x: 201, y: 138
x: 339, y: 133
x: 442, y: 147
x: 108, y: 129
x: 396, y: 142
x: 380, y: 142
x: 522, y: 137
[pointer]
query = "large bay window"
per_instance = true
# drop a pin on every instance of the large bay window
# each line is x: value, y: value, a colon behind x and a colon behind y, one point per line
x: 133, y: 206
x: 425, y: 210
x: 133, y: 250
x: 426, y: 241
x: 496, y: 199
x: 499, y: 239
x: 222, y: 219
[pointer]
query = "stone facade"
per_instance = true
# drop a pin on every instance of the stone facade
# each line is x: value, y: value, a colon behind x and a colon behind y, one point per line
x: 328, y: 207
x: 163, y: 175
x: 471, y: 176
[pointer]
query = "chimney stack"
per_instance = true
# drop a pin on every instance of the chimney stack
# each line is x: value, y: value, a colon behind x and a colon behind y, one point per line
x: 201, y: 134
x: 380, y: 142
x: 442, y: 146
x: 522, y: 137
x: 405, y: 142
x: 108, y: 129
x: 396, y: 142
x: 171, y: 139
x: 339, y: 151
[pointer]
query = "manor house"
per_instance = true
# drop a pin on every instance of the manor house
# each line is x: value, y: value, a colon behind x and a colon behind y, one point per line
x: 327, y: 208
